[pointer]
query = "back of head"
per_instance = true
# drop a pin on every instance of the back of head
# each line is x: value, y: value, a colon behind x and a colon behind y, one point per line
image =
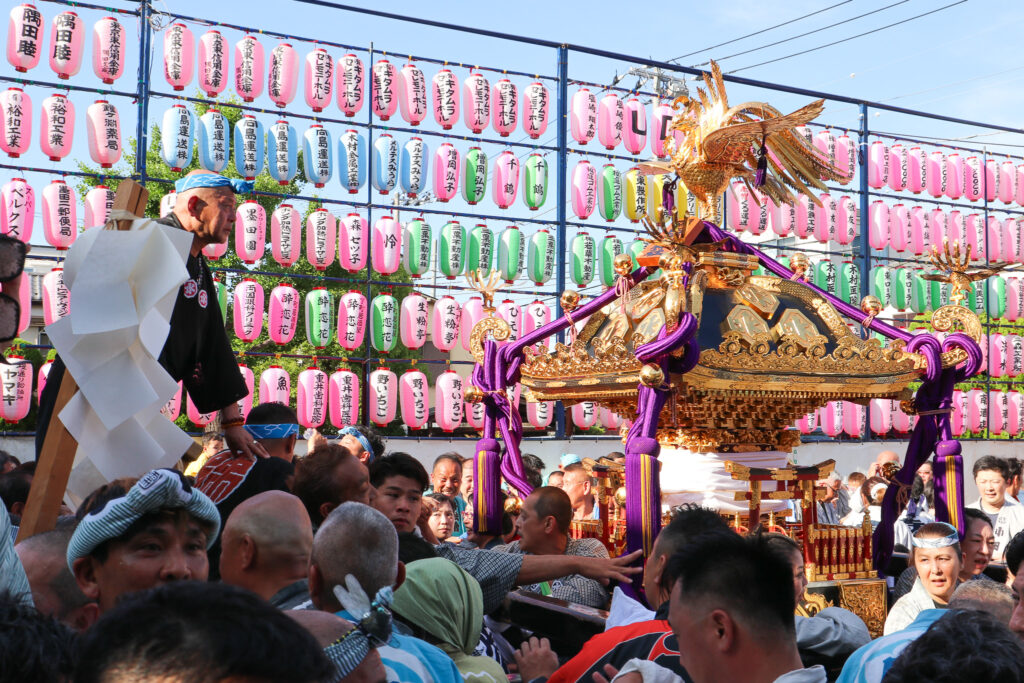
x: 1014, y: 467
x: 551, y: 501
x: 984, y: 596
x: 44, y: 555
x: 14, y: 488
x: 993, y: 463
x: 277, y: 523
x: 356, y: 539
x: 278, y: 440
x: 856, y: 478
x: 688, y: 522
x: 874, y: 490
x: 202, y: 633
x: 118, y: 488
x: 440, y: 598
x: 34, y: 647
x: 739, y: 575
x: 316, y: 480
x: 962, y: 645
x: 401, y: 465
x: 577, y: 470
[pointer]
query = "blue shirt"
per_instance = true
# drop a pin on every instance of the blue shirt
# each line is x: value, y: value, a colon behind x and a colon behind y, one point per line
x: 410, y: 660
x: 870, y: 662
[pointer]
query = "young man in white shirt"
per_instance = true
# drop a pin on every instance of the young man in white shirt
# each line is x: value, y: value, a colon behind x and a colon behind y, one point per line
x: 992, y: 476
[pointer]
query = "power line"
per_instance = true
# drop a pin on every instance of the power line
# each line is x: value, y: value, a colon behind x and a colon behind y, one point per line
x: 859, y: 35
x: 764, y: 30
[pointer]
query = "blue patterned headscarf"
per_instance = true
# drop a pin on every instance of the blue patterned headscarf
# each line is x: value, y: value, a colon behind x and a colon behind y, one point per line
x: 360, y: 437
x: 273, y: 431
x: 191, y: 182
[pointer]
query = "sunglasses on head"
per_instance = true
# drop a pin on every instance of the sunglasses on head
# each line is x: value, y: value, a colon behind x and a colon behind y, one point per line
x: 12, y: 265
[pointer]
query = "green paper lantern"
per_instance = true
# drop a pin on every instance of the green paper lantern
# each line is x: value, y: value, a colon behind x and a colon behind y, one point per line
x: 535, y: 181
x: 451, y: 257
x: 383, y: 323
x: 479, y: 253
x: 474, y: 176
x: 609, y: 192
x: 881, y: 284
x: 319, y: 310
x: 510, y: 253
x: 611, y: 246
x: 583, y: 259
x: 540, y: 257
x: 418, y: 247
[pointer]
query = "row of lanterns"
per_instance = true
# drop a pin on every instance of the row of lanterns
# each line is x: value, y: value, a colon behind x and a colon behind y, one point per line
x: 902, y: 288
x: 25, y: 41
x: 57, y: 127
x: 58, y: 208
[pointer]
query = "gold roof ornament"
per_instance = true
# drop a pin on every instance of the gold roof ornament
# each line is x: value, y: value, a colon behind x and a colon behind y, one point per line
x: 954, y: 270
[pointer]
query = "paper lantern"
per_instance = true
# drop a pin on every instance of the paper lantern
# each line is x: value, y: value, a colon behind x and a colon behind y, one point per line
x: 448, y: 401
x: 609, y: 193
x: 24, y: 37
x: 412, y: 94
x: 853, y: 419
x: 1010, y: 240
x: 98, y: 202
x: 584, y: 415
x: 880, y: 415
x: 958, y: 416
x: 584, y: 189
x: 56, y: 296
x: 847, y: 220
x: 535, y: 109
x: 249, y: 147
x: 954, y: 176
x: 194, y: 416
x: 825, y: 219
x: 506, y: 107
x: 282, y: 152
x: 973, y: 176
x: 535, y: 181
x: 474, y: 180
x: 248, y: 68
x: 176, y: 137
x: 474, y: 414
x: 937, y: 228
x: 510, y: 312
x: 316, y: 155
x: 510, y: 253
x: 506, y: 179
x: 351, y: 161
x: 832, y: 418
x: 66, y: 38
x: 899, y: 227
x: 783, y: 219
x: 661, y: 118
x: 804, y: 217
x: 878, y: 225
x: 321, y: 230
x: 382, y: 386
x: 16, y: 384
x: 898, y: 170
x: 935, y: 176
x: 540, y: 414
x: 583, y: 116
x: 609, y: 420
x: 472, y: 313
x: 611, y: 116
x: 740, y: 208
x: 179, y: 52
x: 250, y: 231
x: 352, y: 309
x: 998, y: 350
x: 445, y: 323
x: 540, y: 257
x: 1014, y: 299
x: 25, y: 303
x: 480, y: 249
x: 849, y: 283
x: 535, y: 316
x: 975, y: 229
x: 385, y: 163
x: 977, y: 409
x: 351, y: 84
x: 275, y: 385
x: 16, y: 122
x: 917, y: 170
x: 319, y: 305
x: 956, y: 228
x: 451, y: 256
x: 56, y: 127
x: 996, y: 299
x: 634, y: 249
x: 383, y: 323
x: 419, y: 247
x: 413, y: 317
x: 476, y: 102
x: 412, y: 391
x: 846, y: 158
x: 352, y: 237
x: 808, y: 423
x: 994, y: 245
x: 634, y: 200
x: 318, y: 79
x: 446, y: 98
x: 611, y: 246
x: 248, y: 308
x: 214, y: 143
x: 383, y: 90
x: 283, y: 75
x: 44, y: 374
x: 213, y: 62
x: 1007, y: 182
x: 882, y: 284
x: 59, y: 209
x: 446, y: 172
x: 245, y: 403
x: 878, y: 164
x: 18, y: 201
x: 634, y: 129
x: 283, y: 315
x: 1014, y: 410
x: 386, y: 245
x: 222, y: 297
x: 917, y: 237
x: 285, y: 234
x: 825, y: 276
x: 1014, y: 355
x: 311, y: 404
x: 343, y: 398
x: 414, y: 166
x: 583, y: 258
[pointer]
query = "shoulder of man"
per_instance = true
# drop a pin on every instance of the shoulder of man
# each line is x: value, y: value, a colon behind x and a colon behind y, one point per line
x: 586, y: 547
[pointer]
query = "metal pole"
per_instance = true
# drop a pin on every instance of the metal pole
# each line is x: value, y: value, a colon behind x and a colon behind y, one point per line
x: 865, y: 202
x: 145, y: 33
x: 369, y: 241
x: 562, y: 118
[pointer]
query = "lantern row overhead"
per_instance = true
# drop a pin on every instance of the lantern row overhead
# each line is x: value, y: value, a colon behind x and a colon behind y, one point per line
x: 26, y: 40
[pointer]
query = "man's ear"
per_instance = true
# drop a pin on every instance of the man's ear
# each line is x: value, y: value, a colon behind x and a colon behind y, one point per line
x: 325, y: 509
x: 290, y: 444
x: 17, y: 508
x: 550, y: 525
x: 586, y: 486
x: 399, y: 577
x: 84, y: 570
x: 316, y: 585
x: 83, y: 617
x: 247, y: 551
x: 195, y: 206
x: 722, y: 630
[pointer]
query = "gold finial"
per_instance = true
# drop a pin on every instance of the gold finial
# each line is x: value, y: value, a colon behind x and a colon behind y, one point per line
x: 486, y: 284
x: 652, y: 376
x: 570, y: 300
x: 954, y: 267
x: 473, y: 394
x: 623, y: 264
x: 871, y: 306
x: 799, y: 263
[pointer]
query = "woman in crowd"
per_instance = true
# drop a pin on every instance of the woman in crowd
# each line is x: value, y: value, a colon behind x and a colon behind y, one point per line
x: 938, y: 559
x: 442, y: 516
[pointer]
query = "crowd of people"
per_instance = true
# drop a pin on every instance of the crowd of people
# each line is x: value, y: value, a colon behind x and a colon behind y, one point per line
x: 363, y: 566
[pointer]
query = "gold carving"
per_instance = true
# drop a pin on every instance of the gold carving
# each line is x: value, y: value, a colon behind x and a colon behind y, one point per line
x: 866, y: 599
x: 744, y: 320
x: 762, y: 301
x: 812, y: 603
x: 498, y: 329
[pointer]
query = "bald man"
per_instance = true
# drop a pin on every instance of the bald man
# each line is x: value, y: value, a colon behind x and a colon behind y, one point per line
x: 265, y: 547
x: 883, y: 458
x: 54, y: 589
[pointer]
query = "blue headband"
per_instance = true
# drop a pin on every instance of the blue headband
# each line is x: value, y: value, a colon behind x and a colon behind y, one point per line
x: 358, y: 435
x: 260, y: 432
x: 944, y: 542
x: 191, y: 182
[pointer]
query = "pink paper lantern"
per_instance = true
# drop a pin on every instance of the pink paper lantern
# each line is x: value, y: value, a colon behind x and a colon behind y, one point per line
x: 847, y: 220
x: 66, y: 37
x: 446, y: 98
x: 661, y: 117
x: 974, y: 179
x: 898, y: 169
x: 474, y: 414
x: 59, y: 209
x: 997, y: 402
x: 536, y: 99
x: 194, y: 416
x: 997, y: 354
x: 24, y: 37
x: 610, y: 421
x: 918, y: 242
x: 16, y: 384
x: 104, y: 128
x: 283, y: 75
x: 383, y: 92
x: 248, y: 68
x: 321, y: 231
x: 846, y: 158
x: 937, y: 179
x: 506, y: 107
x: 351, y: 84
x: 740, y: 208
x: 311, y: 404
x: 832, y: 418
x: 245, y: 403
x: 611, y: 117
x: 285, y: 235
x: 98, y: 202
x: 878, y: 224
x: 878, y: 164
x: 215, y: 250
x: 352, y: 237
x: 57, y: 127
x: 382, y: 388
x: 825, y: 219
x: 179, y: 51
x: 412, y: 94
x: 18, y: 201
x: 1014, y: 355
x: 1010, y: 240
x: 386, y: 245
x: 1014, y: 412
x: 584, y: 189
x: 472, y: 313
x: 584, y: 415
x: 990, y: 179
x: 56, y: 296
x: 275, y: 385
x: 880, y: 415
x: 476, y: 102
x: 583, y: 116
x: 936, y: 228
x: 352, y: 309
x: 995, y: 240
x: 899, y: 227
x: 1007, y: 182
x: 248, y: 310
x: 1018, y: 196
x: 15, y: 122
x: 412, y: 321
x: 956, y: 228
x: 853, y: 419
x: 977, y: 409
x: 975, y: 233
x: 535, y: 316
x: 284, y: 313
x: 505, y: 179
x: 634, y: 128
x: 954, y: 176
x: 446, y: 172
x: 784, y: 220
x: 444, y: 328
x: 213, y: 63
x: 250, y: 231
x: 958, y: 418
x: 804, y: 217
x: 510, y: 312
x: 343, y: 399
x: 43, y: 375
x: 25, y: 303
x: 318, y: 79
x: 412, y: 391
x: 917, y: 170
x: 448, y: 401
x: 540, y: 414
x: 808, y: 423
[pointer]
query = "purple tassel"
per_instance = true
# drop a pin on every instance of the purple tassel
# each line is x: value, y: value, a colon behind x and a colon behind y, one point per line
x: 668, y: 196
x: 487, y: 487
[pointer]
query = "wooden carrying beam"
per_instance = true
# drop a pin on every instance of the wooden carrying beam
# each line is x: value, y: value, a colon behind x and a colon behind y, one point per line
x: 58, y: 455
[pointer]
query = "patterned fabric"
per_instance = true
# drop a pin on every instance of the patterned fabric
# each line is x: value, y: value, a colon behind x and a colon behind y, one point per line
x: 156, y: 490
x: 191, y: 182
x: 908, y: 607
x: 12, y: 574
x: 870, y: 663
x: 272, y: 431
x: 411, y: 660
x: 496, y: 572
x: 573, y: 588
x: 358, y: 436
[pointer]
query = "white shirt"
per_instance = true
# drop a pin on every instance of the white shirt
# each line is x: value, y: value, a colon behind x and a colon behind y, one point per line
x: 1008, y: 524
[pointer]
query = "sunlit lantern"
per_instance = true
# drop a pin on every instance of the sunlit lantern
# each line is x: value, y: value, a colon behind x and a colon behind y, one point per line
x: 412, y: 392
x: 472, y: 313
x: 282, y: 152
x: 535, y: 181
x: 536, y: 99
x: 194, y: 416
x: 476, y: 102
x: 412, y: 94
x: 583, y: 116
x: 419, y: 247
x: 540, y: 257
x: 634, y: 191
x: 98, y: 203
x: 16, y: 383
x: 610, y: 247
x: 18, y: 202
x: 352, y: 308
x: 661, y: 118
x: 451, y: 252
x: 386, y: 245
x: 584, y: 415
x: 506, y: 107
x: 898, y: 169
x: 213, y: 63
x: 610, y: 121
x: 446, y: 172
x: 847, y: 220
x: 249, y: 147
x: 321, y: 232
x: 383, y: 323
x: 506, y: 179
x: 285, y: 235
x: 385, y: 163
x: 283, y: 313
x: 536, y: 315
x: 583, y: 259
x: 319, y: 307
x: 16, y: 122
x: 283, y: 75
x: 444, y: 323
x: 214, y: 141
x: 275, y: 385
x: 413, y: 174
x: 413, y: 321
x: 343, y: 398
x: 245, y: 403
x: 383, y: 91
x: 351, y: 84
x: 973, y: 175
x: 878, y: 164
x: 24, y: 37
x: 540, y: 414
x: 474, y: 181
x: 609, y: 194
x: 311, y: 399
x: 66, y: 44
x: 446, y: 98
x: 316, y: 155
x: 448, y: 401
x: 56, y: 296
x: 250, y: 231
x: 634, y: 128
x: 248, y: 68
x: 176, y: 137
x: 179, y: 51
x: 584, y: 189
x: 977, y: 410
x: 479, y: 253
x: 57, y: 126
x: 382, y: 386
x: 60, y: 214
x: 318, y: 79
x: 248, y: 308
x: 510, y: 312
x: 511, y: 248
x: 352, y: 236
x: 351, y: 160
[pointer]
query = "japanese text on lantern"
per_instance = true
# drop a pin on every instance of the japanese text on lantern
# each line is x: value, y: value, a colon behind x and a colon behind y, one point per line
x: 31, y: 23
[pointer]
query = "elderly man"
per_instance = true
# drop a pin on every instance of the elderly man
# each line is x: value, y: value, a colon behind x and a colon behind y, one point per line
x: 54, y: 589
x: 362, y: 441
x: 328, y: 477
x: 832, y: 508
x: 576, y: 483
x: 197, y: 351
